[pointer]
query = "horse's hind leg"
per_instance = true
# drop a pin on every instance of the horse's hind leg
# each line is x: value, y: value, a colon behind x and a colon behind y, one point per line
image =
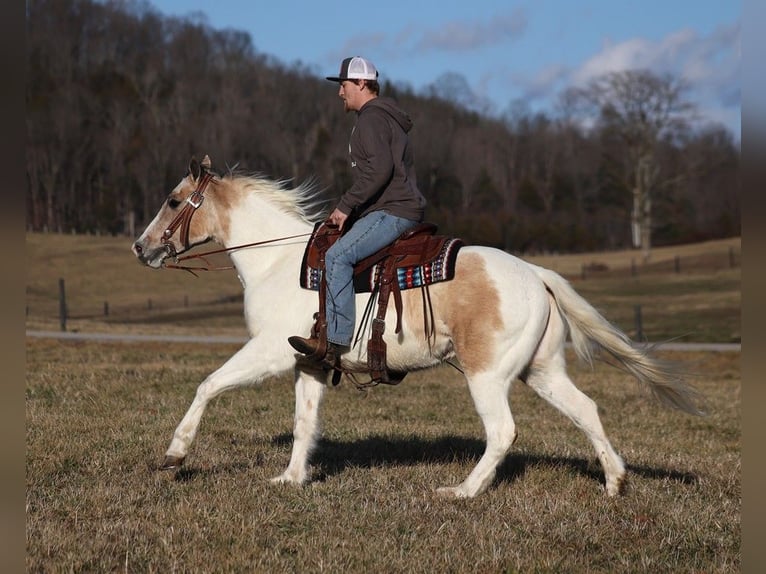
x: 552, y: 383
x: 490, y: 396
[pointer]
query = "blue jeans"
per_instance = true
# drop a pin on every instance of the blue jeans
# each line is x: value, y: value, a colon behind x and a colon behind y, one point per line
x: 367, y: 235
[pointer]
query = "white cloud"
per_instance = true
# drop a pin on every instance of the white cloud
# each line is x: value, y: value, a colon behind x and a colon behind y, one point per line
x: 453, y: 36
x: 710, y: 64
x: 359, y: 45
x: 461, y: 35
x: 631, y: 54
x: 700, y: 60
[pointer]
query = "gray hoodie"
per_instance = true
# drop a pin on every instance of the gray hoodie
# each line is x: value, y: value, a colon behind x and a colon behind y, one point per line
x: 382, y: 164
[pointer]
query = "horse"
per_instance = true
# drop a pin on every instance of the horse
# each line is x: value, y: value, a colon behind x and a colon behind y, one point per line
x: 501, y: 318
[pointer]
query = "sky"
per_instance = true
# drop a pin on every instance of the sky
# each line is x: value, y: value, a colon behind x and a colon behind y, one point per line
x: 508, y: 51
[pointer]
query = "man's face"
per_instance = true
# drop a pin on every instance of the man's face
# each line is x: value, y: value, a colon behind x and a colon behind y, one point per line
x: 350, y: 93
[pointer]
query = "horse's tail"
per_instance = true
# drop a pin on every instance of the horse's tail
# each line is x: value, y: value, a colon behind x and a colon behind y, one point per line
x: 590, y: 331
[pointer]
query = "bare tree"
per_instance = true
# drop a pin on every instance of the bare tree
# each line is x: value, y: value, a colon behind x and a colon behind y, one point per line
x: 640, y: 109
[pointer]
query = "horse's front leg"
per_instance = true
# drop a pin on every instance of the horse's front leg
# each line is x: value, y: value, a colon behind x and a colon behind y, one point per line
x: 247, y: 366
x: 309, y: 388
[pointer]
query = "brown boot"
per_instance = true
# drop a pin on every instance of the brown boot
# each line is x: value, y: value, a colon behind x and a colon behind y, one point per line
x: 303, y: 345
x: 309, y: 347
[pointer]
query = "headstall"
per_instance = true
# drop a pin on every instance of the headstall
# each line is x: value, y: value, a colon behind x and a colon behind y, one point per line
x: 183, y: 219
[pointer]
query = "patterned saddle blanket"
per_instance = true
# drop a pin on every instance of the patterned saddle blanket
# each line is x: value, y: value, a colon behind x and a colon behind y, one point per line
x: 422, y: 259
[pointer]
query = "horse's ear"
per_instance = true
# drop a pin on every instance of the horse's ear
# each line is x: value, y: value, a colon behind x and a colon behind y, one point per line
x: 194, y: 168
x: 206, y: 163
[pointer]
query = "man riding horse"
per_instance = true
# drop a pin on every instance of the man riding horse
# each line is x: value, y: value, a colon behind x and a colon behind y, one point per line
x: 383, y: 202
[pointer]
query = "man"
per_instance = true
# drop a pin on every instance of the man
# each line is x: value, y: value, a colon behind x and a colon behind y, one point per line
x: 383, y: 202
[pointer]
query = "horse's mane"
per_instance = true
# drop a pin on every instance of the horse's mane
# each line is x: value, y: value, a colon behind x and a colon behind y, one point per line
x: 305, y: 201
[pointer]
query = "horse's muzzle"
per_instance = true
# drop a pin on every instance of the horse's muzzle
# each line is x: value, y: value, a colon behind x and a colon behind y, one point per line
x: 151, y: 257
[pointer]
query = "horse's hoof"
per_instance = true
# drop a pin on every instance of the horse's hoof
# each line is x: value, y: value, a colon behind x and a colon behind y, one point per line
x: 451, y: 492
x: 617, y: 487
x: 289, y: 478
x: 172, y: 462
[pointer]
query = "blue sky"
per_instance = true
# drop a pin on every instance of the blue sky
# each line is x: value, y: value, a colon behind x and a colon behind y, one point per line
x: 506, y: 50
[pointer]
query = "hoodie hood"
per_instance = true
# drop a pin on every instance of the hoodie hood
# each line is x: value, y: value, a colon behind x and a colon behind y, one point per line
x: 392, y: 109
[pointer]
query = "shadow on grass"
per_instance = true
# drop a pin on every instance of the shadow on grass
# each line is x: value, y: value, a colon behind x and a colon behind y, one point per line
x: 332, y: 457
x: 190, y: 473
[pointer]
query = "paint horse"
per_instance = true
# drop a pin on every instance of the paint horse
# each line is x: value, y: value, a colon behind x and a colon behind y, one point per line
x: 502, y: 318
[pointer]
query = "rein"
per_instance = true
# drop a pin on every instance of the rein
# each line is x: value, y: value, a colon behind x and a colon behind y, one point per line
x: 223, y: 250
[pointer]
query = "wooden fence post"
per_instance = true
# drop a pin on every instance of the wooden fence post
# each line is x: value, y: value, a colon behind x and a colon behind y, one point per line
x: 62, y: 305
x: 639, y: 324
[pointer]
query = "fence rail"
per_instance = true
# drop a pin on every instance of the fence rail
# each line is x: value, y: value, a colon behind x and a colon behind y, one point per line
x: 712, y: 261
x: 63, y: 311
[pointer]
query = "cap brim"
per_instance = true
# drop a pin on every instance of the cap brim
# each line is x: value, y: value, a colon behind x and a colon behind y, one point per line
x: 335, y: 78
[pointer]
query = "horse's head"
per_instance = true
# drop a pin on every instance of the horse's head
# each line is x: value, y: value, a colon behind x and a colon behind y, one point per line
x: 176, y: 228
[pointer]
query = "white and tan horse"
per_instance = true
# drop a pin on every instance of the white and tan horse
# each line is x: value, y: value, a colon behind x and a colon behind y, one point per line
x: 502, y: 318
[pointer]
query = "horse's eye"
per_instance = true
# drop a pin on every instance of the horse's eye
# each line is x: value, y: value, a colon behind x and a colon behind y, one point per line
x: 173, y: 203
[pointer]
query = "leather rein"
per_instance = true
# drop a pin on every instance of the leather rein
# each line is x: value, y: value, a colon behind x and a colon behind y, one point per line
x: 183, y: 220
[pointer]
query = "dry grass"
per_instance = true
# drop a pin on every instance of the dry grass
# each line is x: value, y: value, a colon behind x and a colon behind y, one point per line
x: 103, y: 269
x: 714, y: 254
x: 99, y: 416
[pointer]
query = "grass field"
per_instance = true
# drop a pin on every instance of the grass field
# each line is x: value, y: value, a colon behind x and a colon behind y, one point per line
x: 99, y: 417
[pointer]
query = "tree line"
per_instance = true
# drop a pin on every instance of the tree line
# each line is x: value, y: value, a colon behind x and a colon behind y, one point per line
x: 119, y: 98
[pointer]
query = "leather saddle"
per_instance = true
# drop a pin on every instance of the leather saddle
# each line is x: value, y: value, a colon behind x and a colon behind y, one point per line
x: 416, y: 258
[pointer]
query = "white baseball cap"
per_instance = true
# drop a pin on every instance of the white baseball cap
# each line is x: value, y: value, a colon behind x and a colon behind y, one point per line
x: 355, y: 68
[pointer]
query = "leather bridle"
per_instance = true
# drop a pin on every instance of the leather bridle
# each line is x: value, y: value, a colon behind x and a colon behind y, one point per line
x: 183, y: 218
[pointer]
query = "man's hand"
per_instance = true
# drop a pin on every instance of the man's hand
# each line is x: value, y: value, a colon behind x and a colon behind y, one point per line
x: 338, y: 218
